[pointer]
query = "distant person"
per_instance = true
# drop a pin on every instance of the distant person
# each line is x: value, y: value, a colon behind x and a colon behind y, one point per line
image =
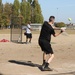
x: 44, y: 42
x: 28, y: 33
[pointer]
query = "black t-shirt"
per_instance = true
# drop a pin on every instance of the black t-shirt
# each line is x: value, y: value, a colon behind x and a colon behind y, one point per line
x: 46, y: 32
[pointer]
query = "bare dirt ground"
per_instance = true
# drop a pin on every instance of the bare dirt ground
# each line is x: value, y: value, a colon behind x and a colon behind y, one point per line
x: 25, y: 59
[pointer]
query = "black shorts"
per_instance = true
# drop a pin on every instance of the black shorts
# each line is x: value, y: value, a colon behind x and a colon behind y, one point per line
x: 28, y: 35
x: 46, y: 46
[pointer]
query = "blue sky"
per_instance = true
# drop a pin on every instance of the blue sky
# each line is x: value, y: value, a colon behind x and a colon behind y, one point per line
x: 61, y: 9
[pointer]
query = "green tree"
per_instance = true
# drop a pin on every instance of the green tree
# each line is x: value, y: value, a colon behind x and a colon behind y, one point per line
x: 60, y: 24
x: 23, y: 0
x: 28, y: 12
x: 36, y: 12
x: 23, y: 11
x: 6, y: 15
x: 29, y: 9
x: 1, y: 10
x: 8, y: 9
x: 30, y: 1
x: 5, y: 22
x: 0, y: 21
x: 16, y: 8
x: 1, y: 6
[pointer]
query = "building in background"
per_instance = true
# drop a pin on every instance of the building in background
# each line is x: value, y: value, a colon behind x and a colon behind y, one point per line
x: 70, y: 26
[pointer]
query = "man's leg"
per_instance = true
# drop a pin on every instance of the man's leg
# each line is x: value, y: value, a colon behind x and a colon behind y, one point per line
x: 44, y: 61
x: 30, y: 40
x: 51, y: 56
x: 30, y: 37
x: 26, y: 39
x: 44, y: 57
x: 45, y: 66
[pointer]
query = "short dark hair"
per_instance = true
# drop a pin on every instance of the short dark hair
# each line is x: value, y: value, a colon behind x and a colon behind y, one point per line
x: 51, y: 17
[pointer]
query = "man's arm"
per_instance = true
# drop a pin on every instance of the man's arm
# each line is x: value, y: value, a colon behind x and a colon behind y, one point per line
x: 29, y: 27
x: 56, y: 28
x: 57, y: 34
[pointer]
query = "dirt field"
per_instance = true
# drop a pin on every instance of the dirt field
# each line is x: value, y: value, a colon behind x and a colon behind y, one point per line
x: 7, y: 31
x: 25, y: 59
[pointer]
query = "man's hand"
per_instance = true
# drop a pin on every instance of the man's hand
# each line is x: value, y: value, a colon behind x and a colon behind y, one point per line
x: 62, y: 30
x: 56, y: 28
x: 57, y: 34
x: 31, y: 29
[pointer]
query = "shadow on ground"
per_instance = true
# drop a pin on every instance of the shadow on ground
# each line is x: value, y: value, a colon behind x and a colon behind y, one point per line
x: 19, y: 42
x: 69, y: 73
x: 29, y: 63
x: 26, y: 63
x: 1, y: 74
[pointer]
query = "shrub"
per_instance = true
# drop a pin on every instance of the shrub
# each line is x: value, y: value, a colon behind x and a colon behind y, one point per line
x: 60, y: 24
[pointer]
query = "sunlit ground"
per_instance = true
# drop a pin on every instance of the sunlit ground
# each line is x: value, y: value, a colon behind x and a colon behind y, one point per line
x: 7, y: 31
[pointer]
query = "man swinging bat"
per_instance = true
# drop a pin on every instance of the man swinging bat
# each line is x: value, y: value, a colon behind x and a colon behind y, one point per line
x: 44, y: 42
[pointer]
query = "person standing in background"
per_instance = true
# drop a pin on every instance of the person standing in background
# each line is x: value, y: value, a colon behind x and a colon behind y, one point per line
x: 28, y: 33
